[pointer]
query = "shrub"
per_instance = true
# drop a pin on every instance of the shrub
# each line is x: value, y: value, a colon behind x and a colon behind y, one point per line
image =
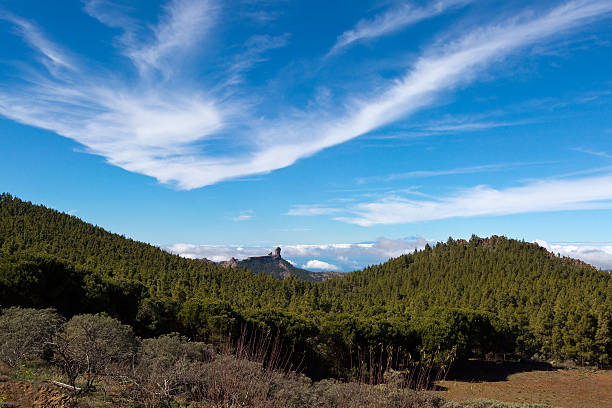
x: 25, y: 334
x: 166, y: 366
x: 93, y: 345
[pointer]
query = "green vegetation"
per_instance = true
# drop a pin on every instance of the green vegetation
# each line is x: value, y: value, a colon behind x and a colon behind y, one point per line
x: 107, y: 364
x: 451, y: 301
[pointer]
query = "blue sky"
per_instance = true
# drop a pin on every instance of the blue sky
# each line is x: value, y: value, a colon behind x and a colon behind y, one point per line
x: 346, y: 132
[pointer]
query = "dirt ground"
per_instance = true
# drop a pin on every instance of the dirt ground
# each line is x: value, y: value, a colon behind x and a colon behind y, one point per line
x: 508, y: 382
x: 30, y: 393
x: 530, y: 383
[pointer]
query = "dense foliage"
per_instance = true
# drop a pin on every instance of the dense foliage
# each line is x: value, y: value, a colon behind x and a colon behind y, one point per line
x: 458, y: 299
x: 106, y: 365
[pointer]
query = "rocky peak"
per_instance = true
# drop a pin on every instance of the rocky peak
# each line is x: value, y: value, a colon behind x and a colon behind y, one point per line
x: 230, y: 263
x: 276, y: 266
x: 276, y: 254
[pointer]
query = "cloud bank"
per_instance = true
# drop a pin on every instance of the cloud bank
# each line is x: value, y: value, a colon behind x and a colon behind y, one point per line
x: 164, y: 123
x: 320, y: 265
x: 348, y: 257
x: 345, y: 257
x: 598, y: 254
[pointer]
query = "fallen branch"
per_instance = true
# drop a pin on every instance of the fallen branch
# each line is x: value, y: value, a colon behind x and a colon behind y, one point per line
x: 69, y: 387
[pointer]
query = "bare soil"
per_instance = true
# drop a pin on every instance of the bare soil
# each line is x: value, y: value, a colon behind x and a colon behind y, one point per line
x: 14, y: 393
x: 530, y: 383
x: 31, y: 394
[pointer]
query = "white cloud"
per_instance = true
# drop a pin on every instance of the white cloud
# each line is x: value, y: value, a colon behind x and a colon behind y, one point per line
x: 244, y: 215
x: 311, y: 210
x: 392, y: 20
x: 316, y: 264
x: 598, y: 254
x: 594, y: 153
x: 380, y: 250
x: 157, y: 48
x: 180, y: 29
x: 471, y: 126
x: 357, y: 255
x: 163, y: 128
x: 138, y: 126
x: 215, y: 252
x: 52, y: 55
x: 545, y: 195
x: 436, y: 173
x: 255, y: 47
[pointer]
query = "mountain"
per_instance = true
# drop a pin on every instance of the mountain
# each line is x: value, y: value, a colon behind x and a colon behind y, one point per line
x: 273, y: 264
x: 462, y: 298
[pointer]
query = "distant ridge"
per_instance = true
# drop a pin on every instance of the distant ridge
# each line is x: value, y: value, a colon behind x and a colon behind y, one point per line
x: 273, y: 264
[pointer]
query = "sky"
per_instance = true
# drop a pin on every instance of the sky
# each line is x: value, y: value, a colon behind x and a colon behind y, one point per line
x: 346, y: 132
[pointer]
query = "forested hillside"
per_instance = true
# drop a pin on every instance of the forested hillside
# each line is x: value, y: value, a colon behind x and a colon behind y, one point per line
x: 457, y: 299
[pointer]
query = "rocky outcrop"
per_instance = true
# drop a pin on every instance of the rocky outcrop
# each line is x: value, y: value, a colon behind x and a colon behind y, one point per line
x: 273, y: 264
x: 230, y: 263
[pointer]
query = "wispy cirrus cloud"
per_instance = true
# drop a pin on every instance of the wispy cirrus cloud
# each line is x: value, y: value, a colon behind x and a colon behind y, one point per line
x: 52, y: 55
x: 134, y: 124
x: 449, y: 172
x: 605, y: 155
x: 310, y: 210
x: 392, y: 20
x: 537, y: 196
x: 181, y: 26
x: 180, y: 29
x: 255, y: 48
x: 193, y: 135
x: 472, y: 126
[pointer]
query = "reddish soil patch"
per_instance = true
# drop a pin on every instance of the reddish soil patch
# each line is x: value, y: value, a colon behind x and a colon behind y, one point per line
x: 30, y: 394
x: 572, y: 388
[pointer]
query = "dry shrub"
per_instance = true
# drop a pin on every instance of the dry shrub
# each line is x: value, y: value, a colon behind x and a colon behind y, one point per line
x: 167, y: 366
x: 253, y: 372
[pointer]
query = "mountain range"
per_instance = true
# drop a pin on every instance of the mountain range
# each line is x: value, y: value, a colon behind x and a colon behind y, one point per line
x: 461, y: 297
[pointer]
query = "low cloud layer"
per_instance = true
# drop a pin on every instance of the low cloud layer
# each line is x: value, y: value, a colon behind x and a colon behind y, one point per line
x: 338, y: 257
x: 598, y: 254
x: 315, y: 264
x: 348, y: 257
